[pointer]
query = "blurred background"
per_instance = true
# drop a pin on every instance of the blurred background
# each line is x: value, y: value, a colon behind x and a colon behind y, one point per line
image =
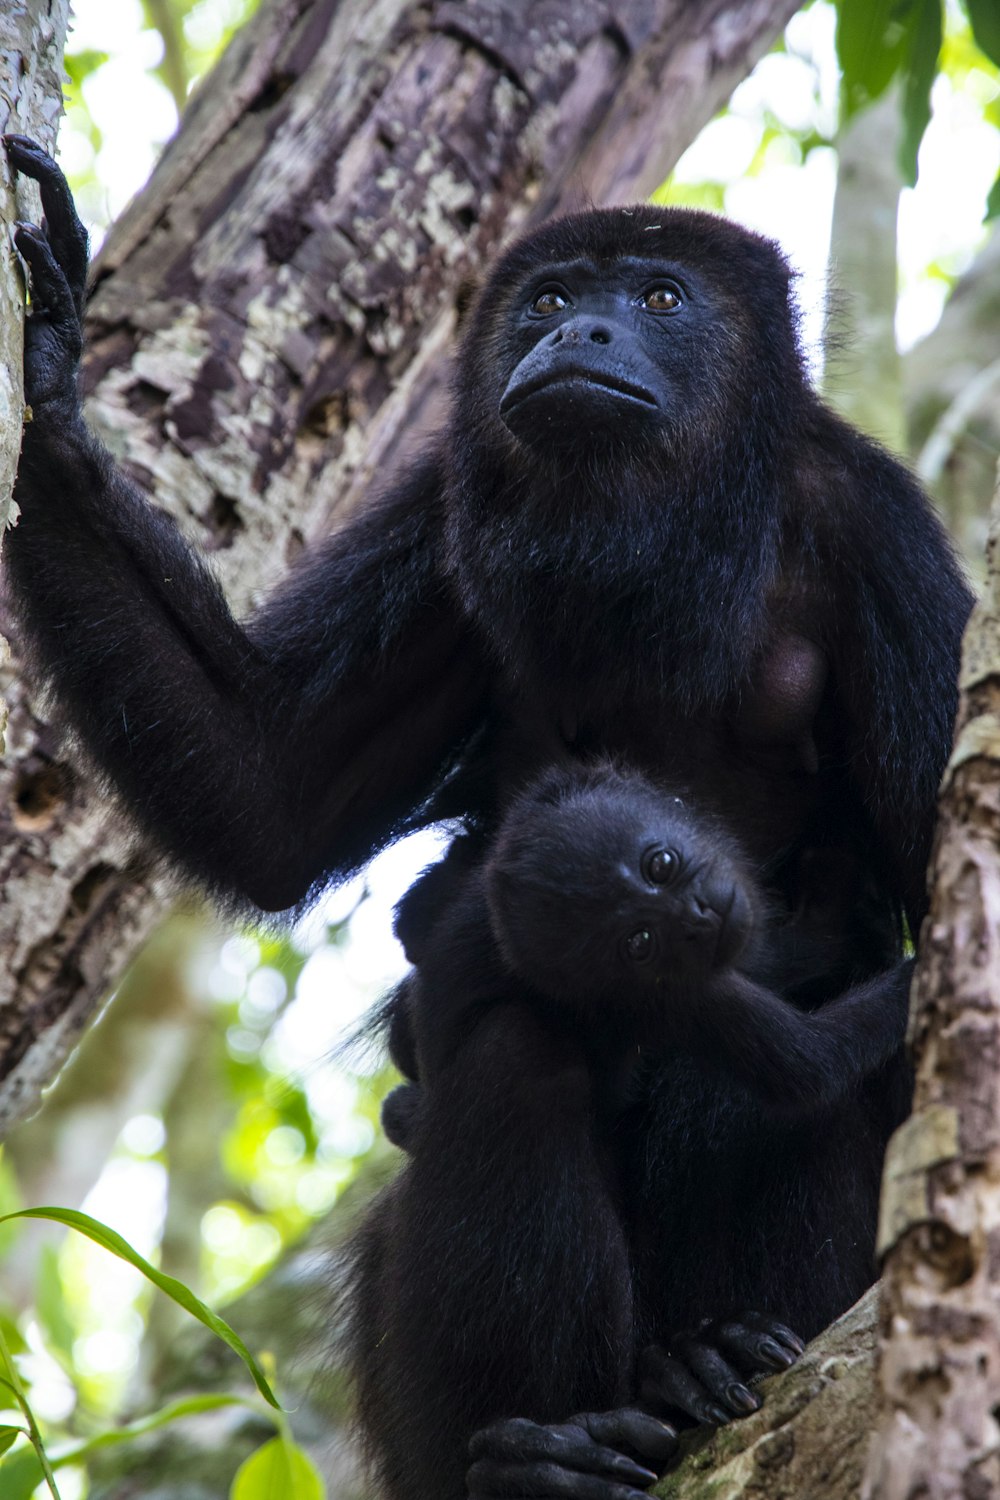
x: 213, y: 1116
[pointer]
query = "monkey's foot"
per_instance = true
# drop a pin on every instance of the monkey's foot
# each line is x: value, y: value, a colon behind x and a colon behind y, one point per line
x: 701, y: 1373
x: 580, y: 1459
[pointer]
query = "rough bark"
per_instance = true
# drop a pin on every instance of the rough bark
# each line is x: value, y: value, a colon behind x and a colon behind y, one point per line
x: 269, y: 320
x: 939, y: 1437
x: 32, y: 36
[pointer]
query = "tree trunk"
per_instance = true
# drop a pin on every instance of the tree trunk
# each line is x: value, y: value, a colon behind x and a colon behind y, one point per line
x: 268, y: 324
x: 940, y: 1229
x: 32, y: 36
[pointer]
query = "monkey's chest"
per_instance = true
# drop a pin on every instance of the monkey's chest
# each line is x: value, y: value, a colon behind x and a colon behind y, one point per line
x: 755, y: 759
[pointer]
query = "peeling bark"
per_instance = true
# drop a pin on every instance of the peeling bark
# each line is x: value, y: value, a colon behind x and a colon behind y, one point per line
x: 940, y: 1224
x: 269, y: 320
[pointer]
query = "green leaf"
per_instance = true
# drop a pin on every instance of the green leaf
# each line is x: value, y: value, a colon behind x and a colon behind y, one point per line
x: 871, y: 44
x: 80, y: 65
x: 11, y: 1334
x: 919, y: 72
x: 188, y: 1406
x: 50, y: 1305
x: 277, y: 1471
x: 20, y: 1474
x: 9, y: 1436
x: 108, y: 1239
x: 993, y: 201
x: 984, y: 16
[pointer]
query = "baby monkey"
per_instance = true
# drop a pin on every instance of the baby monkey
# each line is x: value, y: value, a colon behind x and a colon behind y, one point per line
x: 624, y: 905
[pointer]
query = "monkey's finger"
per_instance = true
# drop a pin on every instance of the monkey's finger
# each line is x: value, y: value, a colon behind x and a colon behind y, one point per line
x: 49, y: 287
x: 517, y: 1442
x: 639, y: 1430
x: 63, y: 228
x: 716, y: 1374
x: 541, y: 1481
x: 665, y: 1381
x: 754, y: 1348
x: 778, y: 1331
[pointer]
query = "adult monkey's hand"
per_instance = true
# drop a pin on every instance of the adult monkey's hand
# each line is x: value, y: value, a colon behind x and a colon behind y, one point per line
x: 56, y: 255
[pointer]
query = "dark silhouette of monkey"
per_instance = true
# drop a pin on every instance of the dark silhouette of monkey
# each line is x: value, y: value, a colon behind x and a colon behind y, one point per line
x: 640, y: 536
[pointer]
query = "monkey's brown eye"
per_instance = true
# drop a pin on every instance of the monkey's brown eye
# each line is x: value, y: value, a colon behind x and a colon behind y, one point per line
x: 640, y: 946
x: 660, y: 866
x: 661, y: 299
x: 549, y: 301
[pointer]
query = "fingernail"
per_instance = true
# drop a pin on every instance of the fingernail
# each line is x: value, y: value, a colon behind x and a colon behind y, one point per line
x: 742, y: 1398
x: 632, y: 1471
x: 718, y: 1416
x: 774, y: 1352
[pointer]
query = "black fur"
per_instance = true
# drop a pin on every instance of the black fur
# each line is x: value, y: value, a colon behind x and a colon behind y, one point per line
x: 642, y: 537
x: 702, y: 1118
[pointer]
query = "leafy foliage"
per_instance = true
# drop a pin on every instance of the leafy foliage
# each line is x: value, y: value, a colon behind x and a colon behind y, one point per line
x: 880, y: 42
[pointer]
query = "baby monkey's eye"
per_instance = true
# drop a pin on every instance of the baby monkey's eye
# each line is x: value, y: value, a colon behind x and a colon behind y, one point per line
x: 661, y: 299
x: 640, y: 946
x: 549, y: 301
x: 660, y: 866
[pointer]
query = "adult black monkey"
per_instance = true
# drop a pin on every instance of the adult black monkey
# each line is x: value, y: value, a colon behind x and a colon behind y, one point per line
x: 642, y: 535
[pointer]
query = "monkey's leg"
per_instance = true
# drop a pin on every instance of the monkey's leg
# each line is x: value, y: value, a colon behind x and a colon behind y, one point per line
x: 495, y: 1287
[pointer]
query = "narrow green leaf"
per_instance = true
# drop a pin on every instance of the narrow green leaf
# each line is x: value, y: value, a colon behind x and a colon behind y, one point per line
x: 993, y: 201
x: 278, y: 1471
x: 108, y: 1239
x: 75, y: 1453
x: 984, y: 17
x: 9, y: 1436
x: 919, y: 73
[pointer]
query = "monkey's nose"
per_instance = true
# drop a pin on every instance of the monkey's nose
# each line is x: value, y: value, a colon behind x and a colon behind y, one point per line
x: 699, y: 923
x: 581, y: 331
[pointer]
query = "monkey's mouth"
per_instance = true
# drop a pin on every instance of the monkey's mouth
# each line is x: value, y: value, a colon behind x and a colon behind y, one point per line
x: 570, y: 376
